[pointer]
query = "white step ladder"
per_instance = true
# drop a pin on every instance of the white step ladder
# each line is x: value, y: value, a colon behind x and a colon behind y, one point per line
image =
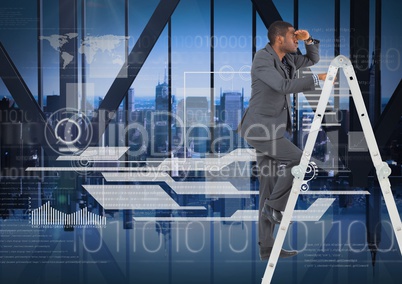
x: 382, y: 168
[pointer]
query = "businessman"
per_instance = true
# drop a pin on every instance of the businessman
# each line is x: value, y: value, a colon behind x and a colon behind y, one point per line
x: 267, y: 119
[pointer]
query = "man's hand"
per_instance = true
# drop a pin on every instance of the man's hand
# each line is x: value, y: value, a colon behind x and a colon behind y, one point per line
x: 302, y: 34
x: 322, y: 76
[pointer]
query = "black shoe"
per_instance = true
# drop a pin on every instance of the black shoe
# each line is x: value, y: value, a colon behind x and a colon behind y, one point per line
x: 265, y: 253
x: 271, y: 214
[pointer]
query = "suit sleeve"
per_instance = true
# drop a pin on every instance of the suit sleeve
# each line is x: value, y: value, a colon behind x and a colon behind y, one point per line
x: 311, y: 57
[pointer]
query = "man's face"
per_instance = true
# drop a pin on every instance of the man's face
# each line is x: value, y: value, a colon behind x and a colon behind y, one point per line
x: 290, y: 42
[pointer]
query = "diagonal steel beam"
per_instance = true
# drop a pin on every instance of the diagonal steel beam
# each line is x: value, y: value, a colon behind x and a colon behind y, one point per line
x: 267, y: 11
x: 359, y: 162
x: 389, y: 118
x: 17, y: 87
x: 386, y: 124
x: 132, y: 66
x: 22, y: 96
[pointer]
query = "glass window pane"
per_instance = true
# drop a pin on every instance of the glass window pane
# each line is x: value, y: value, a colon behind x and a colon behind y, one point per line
x: 191, y: 78
x: 391, y: 49
x: 50, y: 55
x: 148, y: 130
x: 233, y: 56
x: 103, y: 47
x: 18, y: 34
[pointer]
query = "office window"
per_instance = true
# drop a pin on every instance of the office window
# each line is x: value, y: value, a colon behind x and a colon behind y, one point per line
x: 233, y: 56
x: 18, y: 35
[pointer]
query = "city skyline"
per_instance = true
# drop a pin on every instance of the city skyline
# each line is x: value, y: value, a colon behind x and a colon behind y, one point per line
x: 190, y: 52
x: 175, y: 185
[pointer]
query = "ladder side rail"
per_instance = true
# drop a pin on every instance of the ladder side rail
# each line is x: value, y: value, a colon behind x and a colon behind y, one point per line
x: 382, y: 169
x: 299, y: 172
x: 363, y: 116
x: 281, y: 234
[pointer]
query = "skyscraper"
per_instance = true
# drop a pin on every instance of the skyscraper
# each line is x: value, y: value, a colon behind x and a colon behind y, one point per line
x: 160, y: 121
x: 193, y: 111
x: 229, y: 116
x: 161, y: 95
x: 131, y: 106
x: 231, y: 108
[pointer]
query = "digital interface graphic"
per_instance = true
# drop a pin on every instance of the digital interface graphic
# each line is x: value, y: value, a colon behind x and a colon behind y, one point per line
x: 121, y: 160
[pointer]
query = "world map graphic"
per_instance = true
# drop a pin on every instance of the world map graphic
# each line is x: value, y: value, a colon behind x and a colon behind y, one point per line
x: 90, y: 46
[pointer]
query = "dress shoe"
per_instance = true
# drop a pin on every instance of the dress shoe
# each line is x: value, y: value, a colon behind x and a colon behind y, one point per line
x: 271, y: 214
x: 265, y: 253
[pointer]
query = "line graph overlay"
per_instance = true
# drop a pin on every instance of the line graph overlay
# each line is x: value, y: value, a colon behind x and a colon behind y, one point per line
x: 49, y: 216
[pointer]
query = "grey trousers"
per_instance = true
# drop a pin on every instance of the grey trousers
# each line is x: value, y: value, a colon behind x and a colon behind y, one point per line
x: 275, y: 159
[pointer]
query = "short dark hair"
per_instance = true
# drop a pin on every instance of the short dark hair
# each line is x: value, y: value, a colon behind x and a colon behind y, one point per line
x: 278, y: 28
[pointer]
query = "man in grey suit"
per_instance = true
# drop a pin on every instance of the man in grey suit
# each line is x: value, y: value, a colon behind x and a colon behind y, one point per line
x: 267, y: 119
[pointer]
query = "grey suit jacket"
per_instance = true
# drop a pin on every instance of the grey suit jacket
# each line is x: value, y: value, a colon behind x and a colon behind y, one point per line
x: 267, y: 116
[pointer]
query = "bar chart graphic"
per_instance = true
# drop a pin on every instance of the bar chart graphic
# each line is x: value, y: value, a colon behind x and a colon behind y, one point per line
x: 47, y: 216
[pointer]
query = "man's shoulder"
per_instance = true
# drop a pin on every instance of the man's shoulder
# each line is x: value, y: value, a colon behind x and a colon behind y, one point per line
x: 262, y: 50
x: 267, y: 48
x: 265, y: 51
